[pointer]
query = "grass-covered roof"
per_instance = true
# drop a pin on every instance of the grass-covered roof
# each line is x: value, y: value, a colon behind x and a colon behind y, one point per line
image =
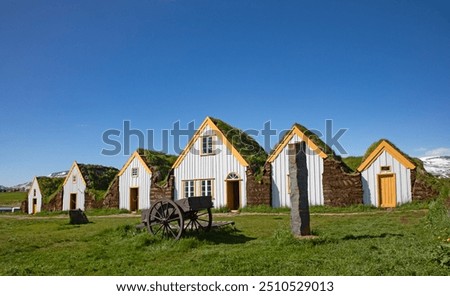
x: 97, y: 177
x: 377, y: 143
x: 316, y: 140
x: 247, y: 147
x: 49, y: 186
x: 160, y: 163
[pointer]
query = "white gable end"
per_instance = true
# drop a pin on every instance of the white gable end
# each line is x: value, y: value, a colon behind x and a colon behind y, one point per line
x: 216, y: 167
x: 280, y: 173
x: 141, y: 181
x: 402, y: 179
x: 74, y: 187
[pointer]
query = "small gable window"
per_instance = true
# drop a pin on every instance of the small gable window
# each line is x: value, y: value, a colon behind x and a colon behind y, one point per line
x: 386, y: 168
x: 207, y: 145
x: 34, y: 192
x: 134, y: 172
x: 74, y: 179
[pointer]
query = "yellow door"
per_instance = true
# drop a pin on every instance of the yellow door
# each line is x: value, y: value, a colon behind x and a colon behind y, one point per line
x: 34, y: 205
x: 387, y: 192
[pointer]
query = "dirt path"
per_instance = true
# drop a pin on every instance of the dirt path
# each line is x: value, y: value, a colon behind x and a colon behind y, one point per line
x: 218, y: 215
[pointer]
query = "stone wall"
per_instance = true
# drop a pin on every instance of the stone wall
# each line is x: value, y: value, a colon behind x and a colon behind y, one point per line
x: 420, y: 189
x: 55, y: 204
x: 24, y: 206
x: 158, y: 193
x: 90, y: 201
x: 111, y: 200
x: 259, y: 191
x: 340, y: 187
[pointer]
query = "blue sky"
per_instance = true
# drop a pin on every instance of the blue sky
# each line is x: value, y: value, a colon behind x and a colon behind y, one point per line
x: 71, y: 70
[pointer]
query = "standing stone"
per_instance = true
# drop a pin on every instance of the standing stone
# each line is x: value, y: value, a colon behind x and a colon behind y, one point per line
x: 298, y: 177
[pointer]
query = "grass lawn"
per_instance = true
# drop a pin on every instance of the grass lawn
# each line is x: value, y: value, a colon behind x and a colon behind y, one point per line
x: 365, y: 243
x: 12, y: 198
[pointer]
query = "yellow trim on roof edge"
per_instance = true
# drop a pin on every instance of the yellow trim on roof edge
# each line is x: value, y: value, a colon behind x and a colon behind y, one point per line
x: 75, y: 164
x: 385, y: 146
x: 213, y: 126
x: 288, y: 138
x: 29, y: 191
x: 130, y: 160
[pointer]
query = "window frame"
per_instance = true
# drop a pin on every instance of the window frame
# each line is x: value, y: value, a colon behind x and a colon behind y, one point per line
x: 188, y: 188
x: 205, y: 150
x: 386, y: 169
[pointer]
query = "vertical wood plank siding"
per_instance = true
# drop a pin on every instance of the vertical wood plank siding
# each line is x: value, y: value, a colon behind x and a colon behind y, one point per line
x: 370, y: 180
x: 34, y: 186
x: 71, y: 188
x: 280, y: 171
x: 143, y: 181
x: 217, y: 167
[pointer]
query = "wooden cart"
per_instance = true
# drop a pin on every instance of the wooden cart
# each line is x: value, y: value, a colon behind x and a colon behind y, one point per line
x: 172, y: 218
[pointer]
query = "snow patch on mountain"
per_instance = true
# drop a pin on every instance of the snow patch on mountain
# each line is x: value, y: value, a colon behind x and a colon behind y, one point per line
x: 437, y: 165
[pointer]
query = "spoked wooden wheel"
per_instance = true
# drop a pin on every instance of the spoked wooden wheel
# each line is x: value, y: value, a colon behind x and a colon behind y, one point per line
x: 199, y: 220
x: 166, y: 219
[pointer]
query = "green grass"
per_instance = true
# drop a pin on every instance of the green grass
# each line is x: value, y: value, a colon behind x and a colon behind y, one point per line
x: 375, y: 243
x: 353, y: 162
x: 12, y: 198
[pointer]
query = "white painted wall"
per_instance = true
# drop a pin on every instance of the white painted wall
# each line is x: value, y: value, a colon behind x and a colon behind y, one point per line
x: 280, y: 171
x: 402, y: 175
x: 71, y: 187
x: 217, y: 167
x: 143, y: 181
x: 31, y: 196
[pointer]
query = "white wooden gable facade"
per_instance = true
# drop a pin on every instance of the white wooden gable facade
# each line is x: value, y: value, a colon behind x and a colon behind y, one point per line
x: 386, y: 177
x: 34, y: 198
x: 74, y: 190
x: 210, y: 165
x: 135, y: 181
x: 279, y: 161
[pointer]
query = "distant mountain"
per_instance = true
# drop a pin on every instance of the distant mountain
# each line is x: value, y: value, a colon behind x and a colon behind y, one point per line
x: 27, y: 185
x: 437, y: 165
x: 61, y: 174
x: 21, y: 187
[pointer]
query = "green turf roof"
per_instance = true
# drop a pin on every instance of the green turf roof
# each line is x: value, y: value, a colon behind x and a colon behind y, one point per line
x: 49, y: 186
x: 377, y: 143
x: 247, y: 147
x: 97, y: 177
x: 158, y: 161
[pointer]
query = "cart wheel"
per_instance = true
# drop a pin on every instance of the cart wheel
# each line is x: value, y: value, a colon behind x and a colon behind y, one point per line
x: 166, y: 219
x: 199, y: 220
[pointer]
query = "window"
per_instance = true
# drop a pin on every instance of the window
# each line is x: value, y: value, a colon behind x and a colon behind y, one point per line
x: 233, y: 176
x: 207, y: 145
x: 386, y: 168
x: 189, y: 189
x: 198, y: 188
x: 206, y: 187
x: 134, y: 172
x: 74, y: 179
x: 34, y: 192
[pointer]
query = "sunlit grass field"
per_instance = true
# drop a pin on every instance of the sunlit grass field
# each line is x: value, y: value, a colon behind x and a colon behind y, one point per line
x: 399, y: 242
x: 12, y: 198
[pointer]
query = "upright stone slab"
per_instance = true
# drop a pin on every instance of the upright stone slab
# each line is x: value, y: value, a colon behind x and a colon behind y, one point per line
x: 78, y: 217
x: 298, y: 177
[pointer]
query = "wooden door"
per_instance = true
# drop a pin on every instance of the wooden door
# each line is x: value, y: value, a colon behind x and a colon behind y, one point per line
x: 34, y: 205
x: 233, y: 195
x: 134, y: 199
x: 387, y: 192
x: 73, y: 201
